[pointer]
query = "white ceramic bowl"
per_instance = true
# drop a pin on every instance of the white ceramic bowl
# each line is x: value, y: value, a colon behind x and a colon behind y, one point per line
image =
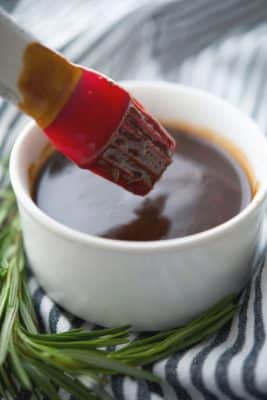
x: 150, y: 285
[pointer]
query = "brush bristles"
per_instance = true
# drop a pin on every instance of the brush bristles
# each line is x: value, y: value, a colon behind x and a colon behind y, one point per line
x: 138, y: 153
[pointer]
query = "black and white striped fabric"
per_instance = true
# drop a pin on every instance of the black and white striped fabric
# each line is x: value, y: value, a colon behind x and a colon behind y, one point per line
x: 220, y: 46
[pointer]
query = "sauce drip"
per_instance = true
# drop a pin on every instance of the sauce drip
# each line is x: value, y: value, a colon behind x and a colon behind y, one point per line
x: 46, y: 82
x: 202, y: 188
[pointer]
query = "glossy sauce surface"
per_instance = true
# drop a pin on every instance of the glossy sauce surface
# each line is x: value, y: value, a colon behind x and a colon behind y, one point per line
x: 202, y: 188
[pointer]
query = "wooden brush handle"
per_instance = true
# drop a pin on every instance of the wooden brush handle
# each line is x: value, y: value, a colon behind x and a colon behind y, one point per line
x: 13, y: 40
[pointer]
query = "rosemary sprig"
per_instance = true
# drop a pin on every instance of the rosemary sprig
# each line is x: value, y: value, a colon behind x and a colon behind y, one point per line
x: 44, y: 362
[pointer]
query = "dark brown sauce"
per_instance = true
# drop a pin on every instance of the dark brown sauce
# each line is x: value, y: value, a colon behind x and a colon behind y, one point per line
x: 203, y: 187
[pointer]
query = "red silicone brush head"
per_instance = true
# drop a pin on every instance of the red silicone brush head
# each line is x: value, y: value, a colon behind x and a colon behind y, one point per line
x: 103, y: 129
x: 138, y: 153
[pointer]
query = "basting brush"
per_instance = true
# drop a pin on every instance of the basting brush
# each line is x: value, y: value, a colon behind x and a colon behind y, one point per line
x: 88, y: 117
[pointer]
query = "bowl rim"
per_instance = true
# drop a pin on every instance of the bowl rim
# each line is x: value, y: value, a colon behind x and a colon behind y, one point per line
x: 23, y: 195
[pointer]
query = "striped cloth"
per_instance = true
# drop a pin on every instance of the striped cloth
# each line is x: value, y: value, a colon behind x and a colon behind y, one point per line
x: 220, y: 46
